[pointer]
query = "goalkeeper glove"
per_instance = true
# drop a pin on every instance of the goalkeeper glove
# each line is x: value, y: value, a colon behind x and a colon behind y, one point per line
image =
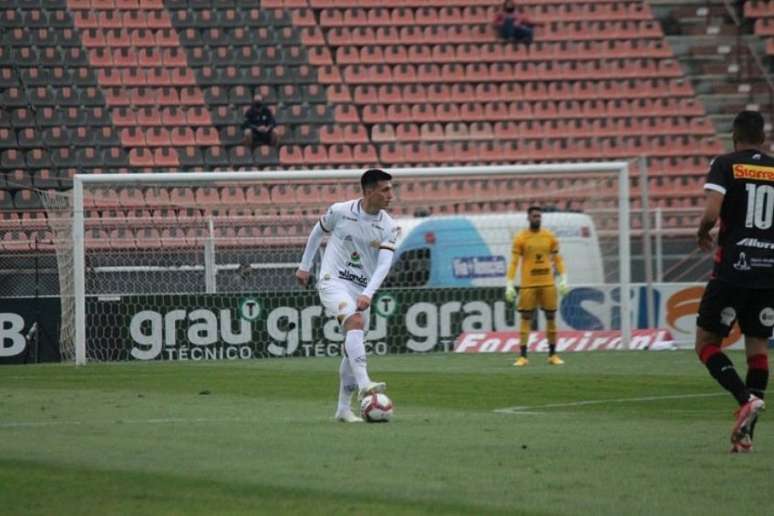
x: 563, y: 288
x: 510, y: 293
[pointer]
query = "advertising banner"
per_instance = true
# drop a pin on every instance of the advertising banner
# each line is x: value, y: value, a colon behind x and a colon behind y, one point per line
x: 29, y: 330
x: 509, y: 342
x: 232, y: 327
x: 292, y: 323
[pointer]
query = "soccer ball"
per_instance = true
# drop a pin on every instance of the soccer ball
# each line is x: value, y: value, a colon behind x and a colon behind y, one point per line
x: 376, y: 408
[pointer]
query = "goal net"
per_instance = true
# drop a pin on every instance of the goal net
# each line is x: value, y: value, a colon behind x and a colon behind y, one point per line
x: 196, y: 266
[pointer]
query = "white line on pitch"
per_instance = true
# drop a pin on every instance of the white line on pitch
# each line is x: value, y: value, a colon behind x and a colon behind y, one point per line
x: 525, y: 409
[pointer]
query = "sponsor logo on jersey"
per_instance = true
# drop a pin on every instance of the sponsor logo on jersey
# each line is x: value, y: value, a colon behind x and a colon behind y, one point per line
x: 358, y: 279
x: 377, y: 226
x: 353, y: 219
x: 727, y: 316
x: 754, y: 242
x: 741, y: 263
x: 540, y: 271
x: 354, y: 260
x: 757, y: 172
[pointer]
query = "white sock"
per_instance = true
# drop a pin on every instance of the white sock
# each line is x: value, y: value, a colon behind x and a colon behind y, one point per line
x: 347, y: 386
x: 353, y: 344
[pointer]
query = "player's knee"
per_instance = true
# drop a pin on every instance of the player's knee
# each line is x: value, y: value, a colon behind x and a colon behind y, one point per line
x: 550, y: 316
x: 756, y: 345
x: 354, y: 322
x: 707, y: 344
x: 526, y: 316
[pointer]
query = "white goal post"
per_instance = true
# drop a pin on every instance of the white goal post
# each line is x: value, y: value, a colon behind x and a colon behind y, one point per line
x: 83, y: 183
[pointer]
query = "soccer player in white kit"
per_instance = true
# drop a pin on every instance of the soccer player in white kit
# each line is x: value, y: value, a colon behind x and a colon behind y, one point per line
x: 357, y: 258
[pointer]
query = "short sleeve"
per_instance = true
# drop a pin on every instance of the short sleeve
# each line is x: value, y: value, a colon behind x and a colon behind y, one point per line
x: 328, y: 221
x: 718, y: 178
x: 554, y: 244
x: 390, y: 236
x: 518, y: 245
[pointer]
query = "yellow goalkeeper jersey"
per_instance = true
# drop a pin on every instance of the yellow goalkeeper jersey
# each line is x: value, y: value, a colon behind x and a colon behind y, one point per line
x: 539, y: 253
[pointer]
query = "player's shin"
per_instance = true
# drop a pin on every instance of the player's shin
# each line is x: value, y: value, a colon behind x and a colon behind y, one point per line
x: 757, y: 374
x: 757, y: 380
x: 551, y: 334
x: 722, y: 370
x: 524, y: 327
x: 356, y: 355
x: 347, y: 386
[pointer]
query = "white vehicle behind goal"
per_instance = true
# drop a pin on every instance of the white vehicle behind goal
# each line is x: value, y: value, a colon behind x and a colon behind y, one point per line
x: 474, y: 250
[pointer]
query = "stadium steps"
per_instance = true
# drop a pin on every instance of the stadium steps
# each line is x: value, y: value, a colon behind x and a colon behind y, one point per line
x: 718, y: 57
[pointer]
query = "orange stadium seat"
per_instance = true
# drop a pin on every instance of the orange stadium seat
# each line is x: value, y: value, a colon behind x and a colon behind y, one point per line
x: 291, y: 155
x: 365, y: 153
x: 383, y: 133
x: 166, y: 157
x: 340, y: 153
x: 141, y: 157
x: 392, y: 153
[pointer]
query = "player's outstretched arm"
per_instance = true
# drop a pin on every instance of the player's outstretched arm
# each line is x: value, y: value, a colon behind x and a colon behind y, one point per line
x: 383, y: 263
x: 562, y: 271
x: 513, y: 265
x: 510, y: 290
x: 312, y: 244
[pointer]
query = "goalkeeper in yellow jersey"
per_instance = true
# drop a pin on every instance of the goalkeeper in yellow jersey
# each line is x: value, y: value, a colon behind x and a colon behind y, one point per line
x: 538, y: 251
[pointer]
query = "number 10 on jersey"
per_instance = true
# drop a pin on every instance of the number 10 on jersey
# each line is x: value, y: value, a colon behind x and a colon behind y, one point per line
x: 760, y: 206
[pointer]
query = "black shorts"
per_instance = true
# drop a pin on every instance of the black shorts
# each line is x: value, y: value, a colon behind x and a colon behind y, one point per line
x: 723, y: 303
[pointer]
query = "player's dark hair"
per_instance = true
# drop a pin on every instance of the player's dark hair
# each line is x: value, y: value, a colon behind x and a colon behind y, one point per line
x: 749, y: 128
x: 533, y: 208
x: 372, y: 176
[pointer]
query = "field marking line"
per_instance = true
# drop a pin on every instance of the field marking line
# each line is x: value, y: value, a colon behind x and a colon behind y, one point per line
x: 530, y: 409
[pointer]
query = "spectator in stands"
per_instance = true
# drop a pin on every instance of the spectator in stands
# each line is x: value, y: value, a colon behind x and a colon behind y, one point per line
x: 513, y: 25
x: 259, y: 125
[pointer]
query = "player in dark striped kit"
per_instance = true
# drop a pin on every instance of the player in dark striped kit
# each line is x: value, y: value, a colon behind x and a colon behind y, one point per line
x: 740, y: 193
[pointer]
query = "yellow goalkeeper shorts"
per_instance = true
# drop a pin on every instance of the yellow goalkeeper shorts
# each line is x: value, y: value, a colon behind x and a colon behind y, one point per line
x: 531, y: 298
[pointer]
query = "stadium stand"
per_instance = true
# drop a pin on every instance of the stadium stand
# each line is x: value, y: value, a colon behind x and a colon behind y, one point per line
x: 129, y: 85
x: 762, y: 13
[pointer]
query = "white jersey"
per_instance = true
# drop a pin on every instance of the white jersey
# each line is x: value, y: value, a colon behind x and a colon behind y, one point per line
x: 354, y: 243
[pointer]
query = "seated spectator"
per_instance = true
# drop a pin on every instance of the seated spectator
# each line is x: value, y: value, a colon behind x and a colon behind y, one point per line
x: 259, y: 125
x: 513, y: 25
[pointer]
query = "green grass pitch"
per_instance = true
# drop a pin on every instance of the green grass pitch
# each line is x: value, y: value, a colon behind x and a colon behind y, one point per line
x: 607, y: 433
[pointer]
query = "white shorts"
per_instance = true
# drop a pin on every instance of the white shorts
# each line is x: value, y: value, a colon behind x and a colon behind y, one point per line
x: 339, y: 299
